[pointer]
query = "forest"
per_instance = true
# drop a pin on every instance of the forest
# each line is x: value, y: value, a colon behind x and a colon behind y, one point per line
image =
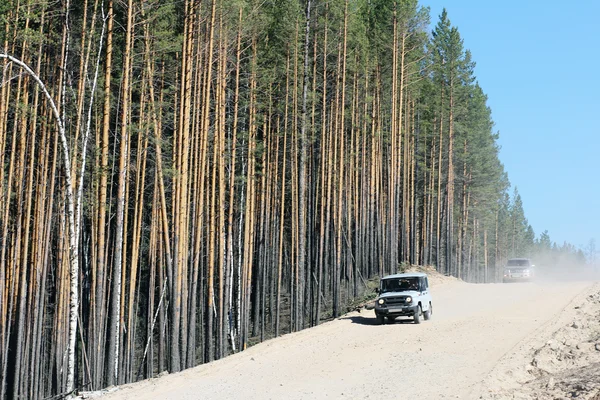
x: 180, y: 180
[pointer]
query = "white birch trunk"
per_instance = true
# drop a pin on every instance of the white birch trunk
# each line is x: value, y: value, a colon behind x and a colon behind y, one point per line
x: 72, y: 222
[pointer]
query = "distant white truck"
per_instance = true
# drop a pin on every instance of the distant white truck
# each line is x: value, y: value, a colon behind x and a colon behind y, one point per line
x: 518, y: 270
x: 404, y: 295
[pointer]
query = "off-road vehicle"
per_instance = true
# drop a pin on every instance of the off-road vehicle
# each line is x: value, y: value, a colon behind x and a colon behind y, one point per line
x: 518, y: 269
x: 404, y: 295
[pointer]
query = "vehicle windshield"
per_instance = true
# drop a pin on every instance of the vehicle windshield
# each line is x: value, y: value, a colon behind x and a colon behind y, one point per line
x: 399, y: 284
x: 517, y: 263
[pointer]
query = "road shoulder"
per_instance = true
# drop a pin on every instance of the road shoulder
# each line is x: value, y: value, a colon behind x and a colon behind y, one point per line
x: 560, y: 359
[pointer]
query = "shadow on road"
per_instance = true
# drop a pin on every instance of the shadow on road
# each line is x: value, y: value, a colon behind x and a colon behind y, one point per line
x: 401, y: 320
x: 358, y: 319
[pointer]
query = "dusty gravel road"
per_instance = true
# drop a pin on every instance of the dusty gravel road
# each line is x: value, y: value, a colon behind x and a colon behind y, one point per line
x: 473, y: 327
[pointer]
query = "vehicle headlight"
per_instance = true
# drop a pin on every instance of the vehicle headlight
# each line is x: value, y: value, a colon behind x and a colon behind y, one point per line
x: 381, y: 301
x: 409, y: 299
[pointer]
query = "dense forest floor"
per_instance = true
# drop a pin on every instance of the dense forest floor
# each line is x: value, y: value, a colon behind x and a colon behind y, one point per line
x: 478, y: 333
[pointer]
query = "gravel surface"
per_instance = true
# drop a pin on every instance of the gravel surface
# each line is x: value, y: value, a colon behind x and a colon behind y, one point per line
x: 561, y: 362
x: 476, y: 335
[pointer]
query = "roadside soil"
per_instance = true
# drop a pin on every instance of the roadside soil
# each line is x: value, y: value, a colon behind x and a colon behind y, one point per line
x: 490, y: 341
x: 561, y: 362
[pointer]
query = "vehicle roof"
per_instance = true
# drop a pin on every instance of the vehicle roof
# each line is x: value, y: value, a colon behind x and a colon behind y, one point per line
x: 405, y: 275
x: 518, y: 259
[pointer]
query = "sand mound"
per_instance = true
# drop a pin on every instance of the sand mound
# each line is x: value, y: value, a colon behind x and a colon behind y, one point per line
x: 566, y: 366
x: 435, y: 278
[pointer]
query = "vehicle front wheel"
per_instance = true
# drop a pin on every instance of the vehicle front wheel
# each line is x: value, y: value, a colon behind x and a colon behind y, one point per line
x: 391, y: 320
x: 427, y: 314
x: 380, y: 319
x: 418, y: 315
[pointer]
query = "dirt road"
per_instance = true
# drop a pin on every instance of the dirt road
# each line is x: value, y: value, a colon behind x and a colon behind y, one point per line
x: 473, y: 327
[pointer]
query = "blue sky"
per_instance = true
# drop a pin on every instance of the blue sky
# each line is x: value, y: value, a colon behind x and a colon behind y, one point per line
x: 539, y: 63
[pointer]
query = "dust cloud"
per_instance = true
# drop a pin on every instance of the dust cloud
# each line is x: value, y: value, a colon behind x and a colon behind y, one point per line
x: 550, y: 267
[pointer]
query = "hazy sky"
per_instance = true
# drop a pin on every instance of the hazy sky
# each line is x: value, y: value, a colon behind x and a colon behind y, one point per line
x: 539, y: 63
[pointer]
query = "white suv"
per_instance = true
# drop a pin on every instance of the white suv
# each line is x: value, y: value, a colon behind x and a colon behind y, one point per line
x: 518, y: 269
x: 404, y: 295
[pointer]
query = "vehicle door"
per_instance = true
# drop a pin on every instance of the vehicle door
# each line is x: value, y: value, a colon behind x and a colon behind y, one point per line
x: 425, y: 293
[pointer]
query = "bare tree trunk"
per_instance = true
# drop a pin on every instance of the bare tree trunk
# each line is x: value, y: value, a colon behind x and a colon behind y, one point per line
x: 230, y: 256
x: 438, y: 257
x: 304, y: 144
x: 210, y: 283
x: 221, y: 205
x: 282, y: 203
x: 450, y: 184
x: 72, y: 224
x: 100, y: 301
x: 115, y: 317
x: 324, y: 173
